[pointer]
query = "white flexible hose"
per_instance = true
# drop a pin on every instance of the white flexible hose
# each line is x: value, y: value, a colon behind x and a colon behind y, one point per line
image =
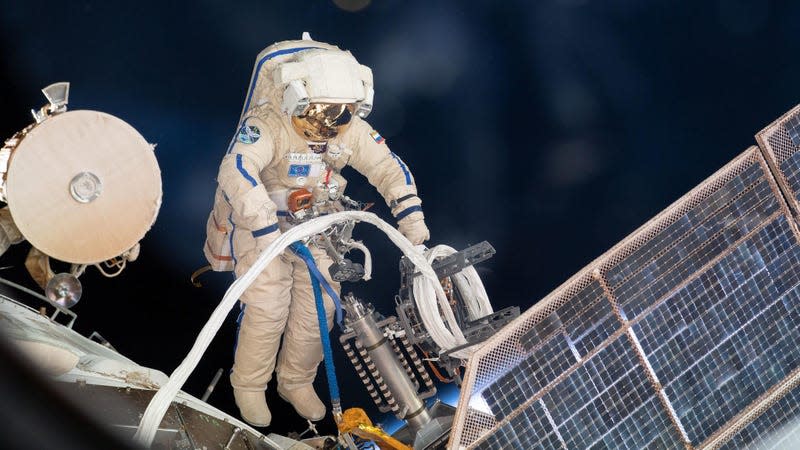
x: 367, y: 259
x: 163, y: 398
x: 468, y: 282
x: 471, y: 288
x: 446, y: 333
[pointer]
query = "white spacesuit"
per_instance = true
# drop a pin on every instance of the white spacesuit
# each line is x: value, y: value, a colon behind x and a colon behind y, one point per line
x: 301, y: 124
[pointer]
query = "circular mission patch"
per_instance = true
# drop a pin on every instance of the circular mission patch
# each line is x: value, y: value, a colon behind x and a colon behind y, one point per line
x: 248, y: 134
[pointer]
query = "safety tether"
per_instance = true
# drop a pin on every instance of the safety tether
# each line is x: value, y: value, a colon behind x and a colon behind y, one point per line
x: 333, y: 385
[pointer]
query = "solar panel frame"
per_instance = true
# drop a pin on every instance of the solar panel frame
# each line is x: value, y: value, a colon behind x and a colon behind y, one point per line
x: 780, y: 144
x: 514, y: 343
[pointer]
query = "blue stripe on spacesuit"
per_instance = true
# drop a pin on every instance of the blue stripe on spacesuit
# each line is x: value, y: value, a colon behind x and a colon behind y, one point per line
x: 233, y: 228
x: 243, y: 171
x: 265, y: 230
x: 250, y: 92
x: 402, y: 167
x: 408, y: 211
x: 241, y: 314
x: 253, y: 82
x: 261, y: 62
x: 238, y: 329
x: 230, y: 239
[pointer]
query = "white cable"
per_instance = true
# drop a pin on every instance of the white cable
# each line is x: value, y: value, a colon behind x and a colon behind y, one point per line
x: 446, y: 335
x: 120, y: 267
x: 163, y: 398
x: 78, y: 269
x: 469, y: 284
x: 470, y: 287
x: 367, y: 258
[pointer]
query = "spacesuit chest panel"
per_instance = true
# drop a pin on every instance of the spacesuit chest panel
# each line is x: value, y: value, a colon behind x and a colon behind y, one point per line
x: 300, y: 168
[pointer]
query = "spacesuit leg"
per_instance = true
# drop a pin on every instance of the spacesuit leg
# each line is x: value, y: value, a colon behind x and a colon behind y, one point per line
x: 302, y: 349
x: 266, y: 309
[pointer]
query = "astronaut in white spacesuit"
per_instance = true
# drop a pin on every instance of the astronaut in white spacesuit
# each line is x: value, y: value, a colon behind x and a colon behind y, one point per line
x: 301, y: 124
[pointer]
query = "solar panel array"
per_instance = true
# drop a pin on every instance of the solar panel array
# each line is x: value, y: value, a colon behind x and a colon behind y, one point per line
x: 684, y: 335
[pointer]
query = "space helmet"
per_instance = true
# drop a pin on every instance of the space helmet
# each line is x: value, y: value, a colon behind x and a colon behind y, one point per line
x: 317, y: 86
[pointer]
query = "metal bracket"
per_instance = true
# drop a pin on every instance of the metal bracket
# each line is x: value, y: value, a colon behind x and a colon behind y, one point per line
x: 57, y: 94
x: 452, y: 264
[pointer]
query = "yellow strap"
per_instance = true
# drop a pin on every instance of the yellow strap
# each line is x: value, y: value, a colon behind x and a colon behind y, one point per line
x: 197, y: 273
x: 355, y: 421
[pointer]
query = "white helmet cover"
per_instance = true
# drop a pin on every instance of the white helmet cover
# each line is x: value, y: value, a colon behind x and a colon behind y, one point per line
x: 292, y: 74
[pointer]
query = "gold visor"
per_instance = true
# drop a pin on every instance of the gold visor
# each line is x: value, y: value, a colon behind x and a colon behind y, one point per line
x: 323, y: 121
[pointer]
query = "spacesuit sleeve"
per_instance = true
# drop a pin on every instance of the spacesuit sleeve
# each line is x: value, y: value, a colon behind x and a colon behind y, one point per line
x: 240, y: 181
x: 384, y: 170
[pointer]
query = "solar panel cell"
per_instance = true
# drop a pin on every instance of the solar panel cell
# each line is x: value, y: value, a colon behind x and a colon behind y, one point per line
x: 710, y: 239
x: 791, y: 171
x: 683, y: 226
x: 777, y: 428
x: 529, y: 429
x: 601, y: 404
x: 580, y: 318
x: 644, y: 428
x: 702, y: 358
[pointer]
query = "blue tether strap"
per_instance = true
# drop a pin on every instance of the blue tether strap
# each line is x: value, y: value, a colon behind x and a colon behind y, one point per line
x: 333, y: 385
x: 305, y: 254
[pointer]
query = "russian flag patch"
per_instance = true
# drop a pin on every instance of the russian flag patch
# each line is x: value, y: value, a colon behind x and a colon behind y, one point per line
x: 377, y: 137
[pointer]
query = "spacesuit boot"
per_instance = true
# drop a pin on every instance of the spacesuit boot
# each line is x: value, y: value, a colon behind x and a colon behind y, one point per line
x: 305, y: 402
x: 253, y: 407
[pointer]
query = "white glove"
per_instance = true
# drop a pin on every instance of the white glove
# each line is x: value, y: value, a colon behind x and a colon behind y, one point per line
x: 413, y: 228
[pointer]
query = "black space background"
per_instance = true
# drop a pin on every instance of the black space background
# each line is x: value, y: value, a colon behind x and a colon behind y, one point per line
x: 550, y: 128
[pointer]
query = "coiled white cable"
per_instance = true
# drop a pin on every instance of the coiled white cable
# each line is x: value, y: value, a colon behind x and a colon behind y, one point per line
x: 443, y: 330
x: 449, y: 338
x: 471, y: 288
x: 468, y: 282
